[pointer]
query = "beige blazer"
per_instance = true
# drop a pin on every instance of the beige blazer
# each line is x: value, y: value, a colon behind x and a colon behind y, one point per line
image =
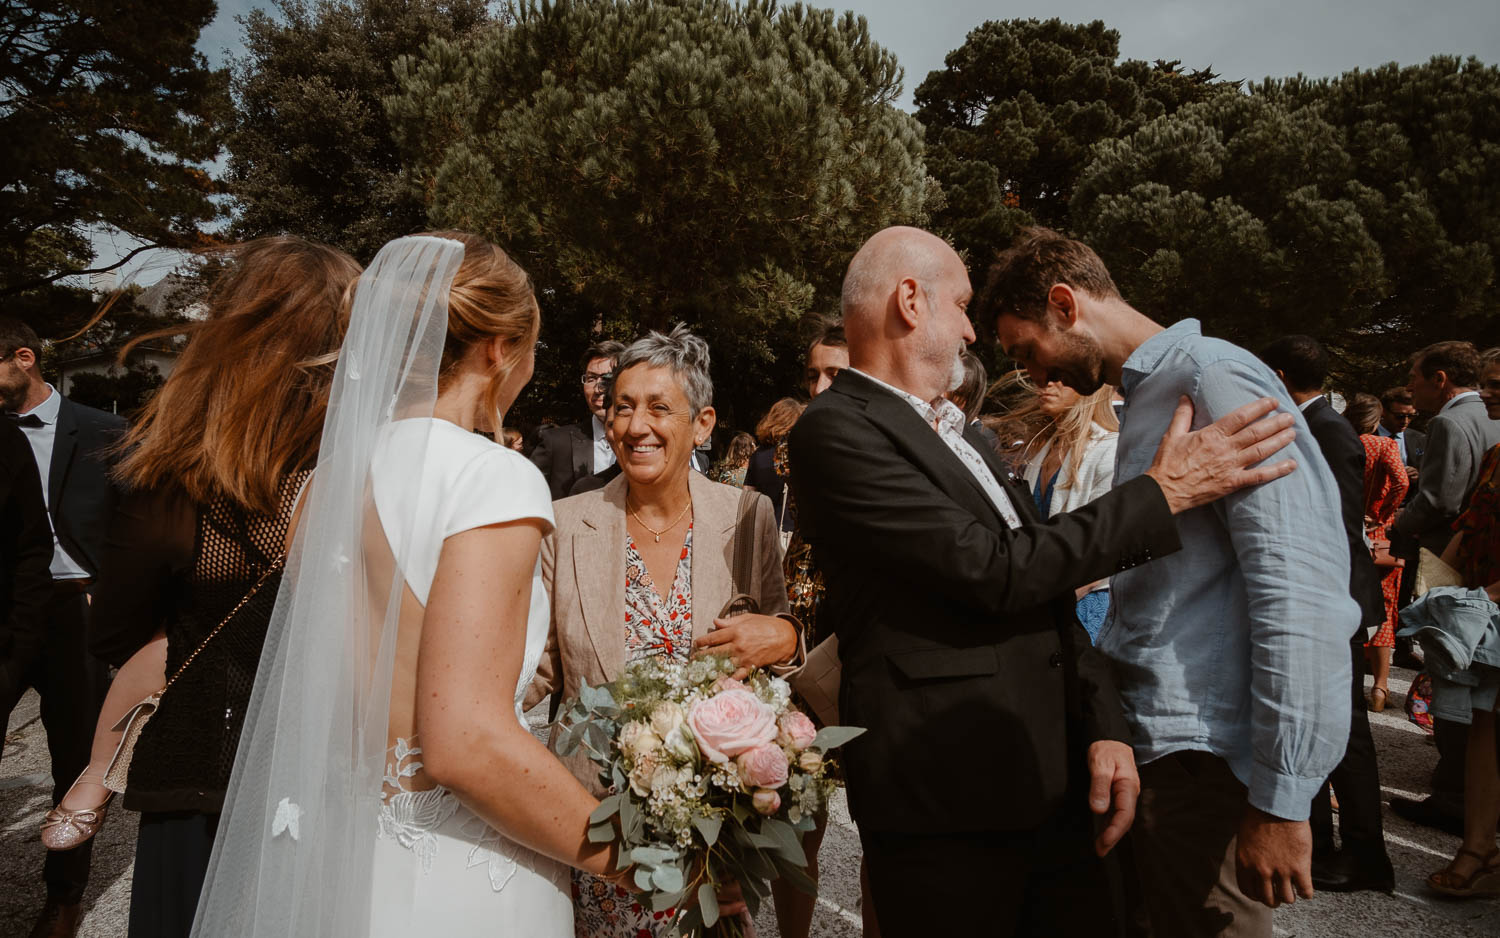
x: 583, y: 567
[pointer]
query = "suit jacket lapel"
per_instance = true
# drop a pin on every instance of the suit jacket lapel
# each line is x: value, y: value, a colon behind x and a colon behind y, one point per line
x: 599, y: 574
x: 64, y: 443
x: 1021, y: 499
x: 931, y: 453
x: 713, y: 551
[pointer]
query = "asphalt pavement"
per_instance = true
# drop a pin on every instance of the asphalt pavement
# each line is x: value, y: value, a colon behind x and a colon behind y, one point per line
x: 1406, y: 758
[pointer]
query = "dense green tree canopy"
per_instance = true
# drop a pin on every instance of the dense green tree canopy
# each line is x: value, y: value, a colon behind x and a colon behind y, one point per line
x: 1360, y: 210
x: 311, y: 152
x: 1012, y: 120
x: 106, y: 115
x: 651, y: 162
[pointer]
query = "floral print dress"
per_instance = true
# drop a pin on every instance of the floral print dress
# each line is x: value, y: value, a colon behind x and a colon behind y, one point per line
x: 653, y: 626
x: 1385, y: 488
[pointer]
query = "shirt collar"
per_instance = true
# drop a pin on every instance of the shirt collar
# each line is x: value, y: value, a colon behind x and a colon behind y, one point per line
x: 1149, y: 353
x: 47, y: 410
x: 1308, y: 403
x: 1456, y: 399
x: 941, y: 410
x: 598, y: 428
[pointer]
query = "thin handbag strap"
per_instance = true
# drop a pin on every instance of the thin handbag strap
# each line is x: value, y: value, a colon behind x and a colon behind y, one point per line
x: 275, y: 565
x: 744, y: 543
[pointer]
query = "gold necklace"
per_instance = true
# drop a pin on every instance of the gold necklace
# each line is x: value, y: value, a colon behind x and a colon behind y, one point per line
x: 655, y: 533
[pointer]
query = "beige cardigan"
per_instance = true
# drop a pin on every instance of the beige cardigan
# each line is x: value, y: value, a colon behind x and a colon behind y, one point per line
x: 583, y: 567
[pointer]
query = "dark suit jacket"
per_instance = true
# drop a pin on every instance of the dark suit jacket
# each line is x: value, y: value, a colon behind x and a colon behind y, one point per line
x: 596, y: 481
x: 565, y: 455
x: 961, y: 651
x: 25, y: 556
x: 1345, y: 455
x: 80, y: 495
x: 1457, y: 440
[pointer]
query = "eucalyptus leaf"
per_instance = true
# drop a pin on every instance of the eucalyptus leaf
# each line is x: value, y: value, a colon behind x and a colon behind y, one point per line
x: 653, y: 856
x: 606, y: 810
x: 708, y: 904
x: 786, y: 840
x: 709, y: 828
x: 667, y: 878
x: 832, y: 737
x: 662, y: 901
x: 643, y: 878
x: 601, y: 833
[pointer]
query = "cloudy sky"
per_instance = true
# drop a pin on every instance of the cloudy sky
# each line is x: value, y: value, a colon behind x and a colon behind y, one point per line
x: 1240, y: 38
x: 1249, y: 39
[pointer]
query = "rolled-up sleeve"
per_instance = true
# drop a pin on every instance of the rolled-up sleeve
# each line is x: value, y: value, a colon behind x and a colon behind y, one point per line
x: 1289, y: 541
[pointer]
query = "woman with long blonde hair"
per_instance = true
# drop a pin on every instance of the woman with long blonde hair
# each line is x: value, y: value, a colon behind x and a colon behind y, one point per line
x: 1070, y: 461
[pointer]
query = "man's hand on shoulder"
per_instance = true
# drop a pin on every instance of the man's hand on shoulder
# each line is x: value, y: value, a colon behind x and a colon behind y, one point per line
x: 1273, y: 858
x: 1114, y: 786
x: 1195, y: 467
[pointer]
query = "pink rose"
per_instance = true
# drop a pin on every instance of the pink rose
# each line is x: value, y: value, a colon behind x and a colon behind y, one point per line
x: 765, y: 801
x: 797, y: 730
x: 729, y: 723
x: 763, y: 767
x: 728, y: 683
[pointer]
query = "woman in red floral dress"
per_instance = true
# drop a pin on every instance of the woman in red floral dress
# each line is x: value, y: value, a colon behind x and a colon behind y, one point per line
x: 1385, y: 488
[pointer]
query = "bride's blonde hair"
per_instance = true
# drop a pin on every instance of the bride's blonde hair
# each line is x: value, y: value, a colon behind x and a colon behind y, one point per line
x: 491, y: 298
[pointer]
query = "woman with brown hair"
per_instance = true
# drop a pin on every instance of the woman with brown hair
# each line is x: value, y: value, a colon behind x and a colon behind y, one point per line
x: 736, y: 462
x: 763, y: 474
x: 212, y: 468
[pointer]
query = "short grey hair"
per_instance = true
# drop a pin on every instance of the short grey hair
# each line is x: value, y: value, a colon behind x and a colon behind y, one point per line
x: 679, y: 350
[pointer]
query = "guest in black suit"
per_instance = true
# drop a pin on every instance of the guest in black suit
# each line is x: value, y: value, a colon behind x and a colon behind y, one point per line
x: 70, y: 443
x: 576, y: 451
x: 1362, y: 863
x: 26, y: 559
x: 992, y: 721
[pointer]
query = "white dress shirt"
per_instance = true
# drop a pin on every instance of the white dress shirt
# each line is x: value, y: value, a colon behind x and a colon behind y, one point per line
x: 41, y: 439
x: 949, y: 422
x: 604, y: 455
x: 1399, y: 437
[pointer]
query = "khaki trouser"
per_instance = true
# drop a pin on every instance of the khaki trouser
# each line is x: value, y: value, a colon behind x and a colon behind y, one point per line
x: 1185, y: 831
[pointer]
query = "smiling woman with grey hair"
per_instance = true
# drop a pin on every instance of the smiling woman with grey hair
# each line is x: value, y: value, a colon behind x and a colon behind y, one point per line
x: 644, y: 566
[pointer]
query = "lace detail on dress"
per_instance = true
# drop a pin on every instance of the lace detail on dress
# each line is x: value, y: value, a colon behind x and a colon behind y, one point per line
x: 408, y: 817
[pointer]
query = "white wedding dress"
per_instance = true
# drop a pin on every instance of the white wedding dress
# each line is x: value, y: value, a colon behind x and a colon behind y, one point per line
x: 439, y: 869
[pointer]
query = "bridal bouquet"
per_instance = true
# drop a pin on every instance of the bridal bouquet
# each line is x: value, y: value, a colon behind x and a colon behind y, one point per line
x: 712, y: 780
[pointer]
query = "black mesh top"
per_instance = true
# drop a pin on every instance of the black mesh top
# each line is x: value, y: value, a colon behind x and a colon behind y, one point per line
x: 171, y: 565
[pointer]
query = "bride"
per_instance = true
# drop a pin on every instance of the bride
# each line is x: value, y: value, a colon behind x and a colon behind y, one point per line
x: 386, y: 783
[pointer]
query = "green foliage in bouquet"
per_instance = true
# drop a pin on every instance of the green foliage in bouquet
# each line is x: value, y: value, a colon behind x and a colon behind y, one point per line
x: 711, y: 781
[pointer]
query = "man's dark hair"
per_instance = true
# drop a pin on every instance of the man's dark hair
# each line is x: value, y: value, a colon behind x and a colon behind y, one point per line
x: 1301, y: 358
x: 830, y: 333
x: 1022, y: 275
x: 1396, y: 395
x: 1458, y: 360
x: 16, y: 335
x: 608, y: 348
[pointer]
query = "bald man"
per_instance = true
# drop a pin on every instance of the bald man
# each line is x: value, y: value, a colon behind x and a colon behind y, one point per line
x: 997, y: 769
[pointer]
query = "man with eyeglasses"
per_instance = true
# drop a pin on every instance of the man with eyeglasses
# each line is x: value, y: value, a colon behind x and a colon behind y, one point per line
x: 1396, y: 416
x: 567, y: 454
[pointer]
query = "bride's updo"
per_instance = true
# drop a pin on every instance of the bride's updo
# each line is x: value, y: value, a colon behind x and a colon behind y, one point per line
x: 491, y: 298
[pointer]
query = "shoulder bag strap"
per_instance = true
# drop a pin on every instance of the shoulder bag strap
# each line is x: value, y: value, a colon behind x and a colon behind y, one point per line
x: 275, y: 565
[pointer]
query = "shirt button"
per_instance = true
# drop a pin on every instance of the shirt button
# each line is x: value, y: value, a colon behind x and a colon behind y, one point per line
x: 1056, y: 660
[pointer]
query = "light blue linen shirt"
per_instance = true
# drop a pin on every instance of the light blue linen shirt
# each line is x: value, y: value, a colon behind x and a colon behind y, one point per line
x: 1238, y: 644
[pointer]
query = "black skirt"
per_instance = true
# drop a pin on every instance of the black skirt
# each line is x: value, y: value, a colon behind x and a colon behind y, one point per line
x: 171, y: 859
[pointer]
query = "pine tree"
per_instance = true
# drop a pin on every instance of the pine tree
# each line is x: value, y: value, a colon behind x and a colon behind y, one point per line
x: 653, y: 162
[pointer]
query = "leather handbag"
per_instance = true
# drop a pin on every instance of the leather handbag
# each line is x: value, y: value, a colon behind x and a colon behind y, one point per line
x: 1432, y: 572
x: 742, y: 563
x: 134, y: 722
x: 817, y: 682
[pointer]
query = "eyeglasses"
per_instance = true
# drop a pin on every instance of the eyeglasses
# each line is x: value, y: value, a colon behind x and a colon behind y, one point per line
x: 1401, y: 418
x: 589, y: 378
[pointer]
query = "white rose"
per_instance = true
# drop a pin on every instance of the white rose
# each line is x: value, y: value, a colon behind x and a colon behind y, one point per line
x: 663, y: 779
x: 679, y: 742
x: 636, y: 740
x: 781, y: 694
x: 665, y: 718
x: 641, y: 775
